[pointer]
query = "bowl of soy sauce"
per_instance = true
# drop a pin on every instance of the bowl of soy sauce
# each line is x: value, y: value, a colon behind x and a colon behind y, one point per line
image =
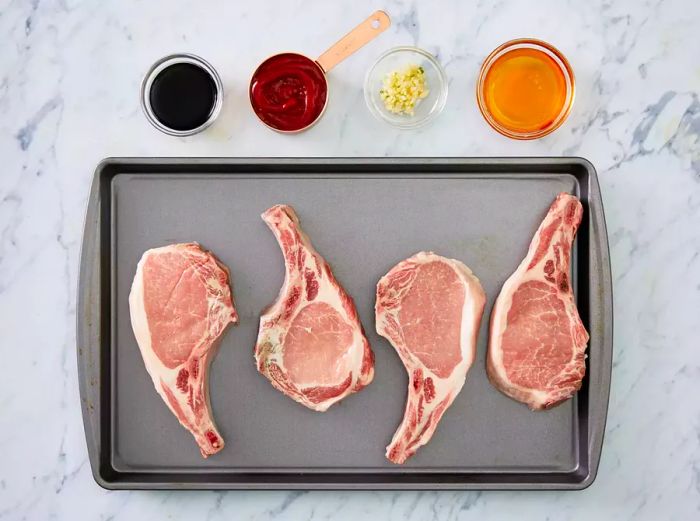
x: 181, y: 94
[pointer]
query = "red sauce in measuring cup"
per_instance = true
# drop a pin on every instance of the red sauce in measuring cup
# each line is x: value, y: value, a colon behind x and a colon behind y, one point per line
x: 288, y: 91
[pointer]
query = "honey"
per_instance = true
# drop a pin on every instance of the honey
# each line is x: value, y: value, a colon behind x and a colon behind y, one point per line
x: 525, y: 89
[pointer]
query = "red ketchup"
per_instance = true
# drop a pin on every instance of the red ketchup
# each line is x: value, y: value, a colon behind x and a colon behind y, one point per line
x: 288, y: 91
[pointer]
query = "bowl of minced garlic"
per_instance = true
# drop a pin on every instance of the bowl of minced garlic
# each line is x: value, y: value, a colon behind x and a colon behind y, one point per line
x: 406, y: 87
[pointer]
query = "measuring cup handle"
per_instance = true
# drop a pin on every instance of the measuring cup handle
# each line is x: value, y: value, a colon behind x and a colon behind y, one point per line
x: 351, y: 42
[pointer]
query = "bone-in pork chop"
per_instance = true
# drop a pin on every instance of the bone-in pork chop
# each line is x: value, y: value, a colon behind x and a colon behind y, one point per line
x: 311, y: 345
x: 537, y: 343
x: 429, y: 308
x: 180, y: 303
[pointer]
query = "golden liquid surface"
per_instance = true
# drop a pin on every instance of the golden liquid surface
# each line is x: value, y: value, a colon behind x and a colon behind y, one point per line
x: 525, y: 90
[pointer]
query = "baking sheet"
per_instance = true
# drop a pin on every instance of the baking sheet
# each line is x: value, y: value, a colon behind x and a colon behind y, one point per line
x: 363, y: 216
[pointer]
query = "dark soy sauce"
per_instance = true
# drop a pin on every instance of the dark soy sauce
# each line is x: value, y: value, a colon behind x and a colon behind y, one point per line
x: 183, y: 96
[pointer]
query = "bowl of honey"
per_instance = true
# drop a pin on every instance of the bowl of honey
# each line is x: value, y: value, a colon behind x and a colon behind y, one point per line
x: 525, y: 89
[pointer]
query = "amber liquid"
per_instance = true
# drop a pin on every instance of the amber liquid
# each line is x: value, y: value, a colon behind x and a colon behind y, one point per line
x: 525, y: 90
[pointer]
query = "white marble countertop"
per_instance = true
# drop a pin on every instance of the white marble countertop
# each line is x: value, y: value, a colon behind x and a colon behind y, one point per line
x: 69, y: 81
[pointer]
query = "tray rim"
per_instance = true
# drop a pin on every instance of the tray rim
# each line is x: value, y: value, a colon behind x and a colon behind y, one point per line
x: 89, y: 323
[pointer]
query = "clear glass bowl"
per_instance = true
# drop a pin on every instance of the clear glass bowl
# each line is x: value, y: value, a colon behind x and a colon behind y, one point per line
x: 566, y: 71
x: 398, y: 58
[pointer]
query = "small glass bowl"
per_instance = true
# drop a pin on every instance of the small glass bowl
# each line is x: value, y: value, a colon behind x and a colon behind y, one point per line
x: 564, y: 67
x: 398, y: 58
x: 159, y: 67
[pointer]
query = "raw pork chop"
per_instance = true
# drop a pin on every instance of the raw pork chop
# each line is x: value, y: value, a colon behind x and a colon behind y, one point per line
x: 180, y: 303
x: 537, y: 345
x: 311, y: 345
x: 429, y: 308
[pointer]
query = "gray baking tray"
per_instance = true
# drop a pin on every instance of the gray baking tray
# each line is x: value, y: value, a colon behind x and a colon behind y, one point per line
x: 363, y: 215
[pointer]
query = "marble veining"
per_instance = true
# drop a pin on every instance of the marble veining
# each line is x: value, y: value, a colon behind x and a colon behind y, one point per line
x: 69, y: 78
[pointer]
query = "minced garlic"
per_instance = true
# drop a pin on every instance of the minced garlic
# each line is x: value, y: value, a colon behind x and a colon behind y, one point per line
x: 403, y: 89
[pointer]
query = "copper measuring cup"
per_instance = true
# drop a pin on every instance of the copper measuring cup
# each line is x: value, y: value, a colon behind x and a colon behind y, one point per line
x: 271, y: 114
